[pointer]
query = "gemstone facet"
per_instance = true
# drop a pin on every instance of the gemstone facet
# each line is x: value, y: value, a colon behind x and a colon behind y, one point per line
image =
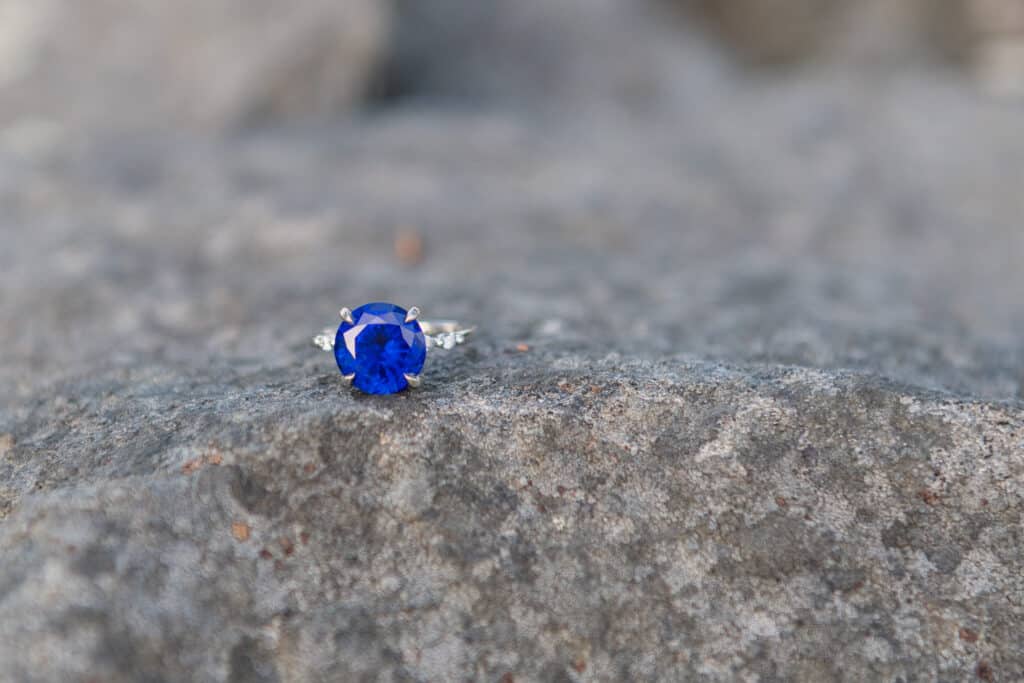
x: 379, y: 347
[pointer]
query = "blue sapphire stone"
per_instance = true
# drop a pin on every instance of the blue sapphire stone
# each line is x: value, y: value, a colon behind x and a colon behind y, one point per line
x: 380, y: 348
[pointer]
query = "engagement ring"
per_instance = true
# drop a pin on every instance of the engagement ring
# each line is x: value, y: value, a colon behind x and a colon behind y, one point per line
x: 381, y: 348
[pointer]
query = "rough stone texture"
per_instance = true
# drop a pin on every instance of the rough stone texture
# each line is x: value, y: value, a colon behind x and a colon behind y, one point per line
x: 201, y: 63
x: 746, y: 403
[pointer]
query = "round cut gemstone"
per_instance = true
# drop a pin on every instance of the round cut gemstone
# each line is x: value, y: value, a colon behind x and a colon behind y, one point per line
x: 380, y: 348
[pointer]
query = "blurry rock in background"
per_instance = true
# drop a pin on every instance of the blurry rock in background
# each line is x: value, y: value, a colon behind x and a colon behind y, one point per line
x: 985, y: 35
x: 635, y: 51
x: 188, y: 63
x: 216, y: 64
x: 862, y: 31
x: 536, y: 53
x: 998, y: 52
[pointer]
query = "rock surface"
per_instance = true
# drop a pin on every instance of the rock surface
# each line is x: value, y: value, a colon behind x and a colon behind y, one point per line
x: 746, y: 401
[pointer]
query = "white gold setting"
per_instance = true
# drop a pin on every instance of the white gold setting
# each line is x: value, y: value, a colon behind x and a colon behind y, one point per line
x: 445, y: 334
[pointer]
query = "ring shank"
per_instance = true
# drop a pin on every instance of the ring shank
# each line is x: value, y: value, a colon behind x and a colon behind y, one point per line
x: 443, y: 327
x: 444, y: 333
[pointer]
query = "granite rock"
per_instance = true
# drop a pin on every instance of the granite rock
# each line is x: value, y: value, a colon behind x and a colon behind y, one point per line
x: 601, y: 520
x: 745, y: 404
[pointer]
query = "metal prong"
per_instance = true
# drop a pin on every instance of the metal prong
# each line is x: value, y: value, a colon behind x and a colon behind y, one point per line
x: 346, y: 315
x: 347, y: 379
x: 412, y: 314
x: 413, y: 380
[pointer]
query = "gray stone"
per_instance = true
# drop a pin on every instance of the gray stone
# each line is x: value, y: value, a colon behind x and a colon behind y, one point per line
x: 746, y: 401
x: 868, y: 32
x: 199, y: 63
x: 544, y: 54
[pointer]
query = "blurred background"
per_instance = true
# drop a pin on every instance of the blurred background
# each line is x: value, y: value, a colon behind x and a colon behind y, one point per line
x: 826, y: 183
x: 227, y: 63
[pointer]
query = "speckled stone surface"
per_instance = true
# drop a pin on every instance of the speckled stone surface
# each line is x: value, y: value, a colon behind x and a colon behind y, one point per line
x: 748, y: 405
